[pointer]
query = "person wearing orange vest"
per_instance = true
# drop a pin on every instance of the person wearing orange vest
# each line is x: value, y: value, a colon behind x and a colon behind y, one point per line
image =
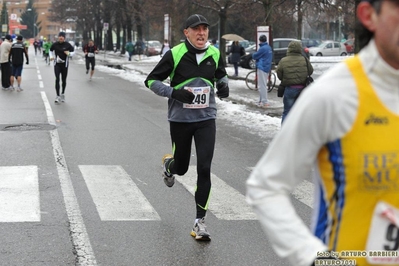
x: 344, y: 128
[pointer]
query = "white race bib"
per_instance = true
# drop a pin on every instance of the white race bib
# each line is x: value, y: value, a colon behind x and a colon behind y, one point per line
x: 201, y: 99
x: 383, y: 239
x: 90, y: 54
x: 59, y: 60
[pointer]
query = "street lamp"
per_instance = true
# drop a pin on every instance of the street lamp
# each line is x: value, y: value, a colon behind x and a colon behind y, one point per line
x: 34, y: 23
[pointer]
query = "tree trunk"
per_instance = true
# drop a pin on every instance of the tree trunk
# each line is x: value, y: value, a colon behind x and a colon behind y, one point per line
x: 300, y: 20
x: 118, y: 36
x: 222, y: 27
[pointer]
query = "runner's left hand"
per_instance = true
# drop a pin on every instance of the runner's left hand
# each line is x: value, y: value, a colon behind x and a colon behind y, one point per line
x: 223, y: 90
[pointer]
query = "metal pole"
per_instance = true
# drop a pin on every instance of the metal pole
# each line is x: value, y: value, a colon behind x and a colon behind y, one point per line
x: 34, y: 26
x: 339, y: 23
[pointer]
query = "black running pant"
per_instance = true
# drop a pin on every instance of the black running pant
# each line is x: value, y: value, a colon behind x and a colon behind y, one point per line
x: 92, y: 61
x: 5, y: 74
x: 204, y: 138
x: 60, y: 69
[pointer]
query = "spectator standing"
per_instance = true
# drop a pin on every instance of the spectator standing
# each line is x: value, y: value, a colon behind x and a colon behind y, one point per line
x: 165, y: 47
x: 5, y: 49
x: 215, y: 43
x: 263, y: 59
x: 60, y: 52
x: 199, y: 66
x: 90, y: 50
x: 130, y: 49
x: 292, y: 70
x: 16, y: 57
x: 343, y: 129
x: 139, y: 47
x: 236, y: 51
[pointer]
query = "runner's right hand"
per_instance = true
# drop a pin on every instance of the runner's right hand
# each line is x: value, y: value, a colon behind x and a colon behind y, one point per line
x: 183, y: 95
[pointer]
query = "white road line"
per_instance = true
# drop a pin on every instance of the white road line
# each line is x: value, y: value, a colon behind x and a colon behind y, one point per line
x: 304, y: 193
x: 226, y: 203
x: 80, y: 238
x: 19, y: 194
x: 115, y: 195
x: 49, y: 111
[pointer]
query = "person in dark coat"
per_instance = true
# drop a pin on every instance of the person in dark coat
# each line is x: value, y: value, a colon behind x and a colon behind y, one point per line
x: 292, y: 70
x: 16, y: 57
x: 236, y: 51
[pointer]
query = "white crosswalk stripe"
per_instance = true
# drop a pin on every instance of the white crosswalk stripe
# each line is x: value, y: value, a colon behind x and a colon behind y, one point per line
x: 115, y: 195
x: 226, y: 203
x: 19, y: 194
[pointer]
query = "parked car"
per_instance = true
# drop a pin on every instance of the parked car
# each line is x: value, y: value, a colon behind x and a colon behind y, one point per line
x: 280, y: 48
x: 246, y: 60
x: 310, y: 43
x: 329, y: 48
x: 350, y: 46
x: 153, y: 48
x: 243, y: 43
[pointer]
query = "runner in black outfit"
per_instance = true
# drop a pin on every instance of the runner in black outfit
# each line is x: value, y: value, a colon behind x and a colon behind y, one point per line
x: 16, y: 57
x: 59, y: 52
x: 90, y: 50
x: 193, y: 67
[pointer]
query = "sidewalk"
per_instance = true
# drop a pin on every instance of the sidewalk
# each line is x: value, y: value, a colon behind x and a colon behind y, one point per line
x: 239, y: 92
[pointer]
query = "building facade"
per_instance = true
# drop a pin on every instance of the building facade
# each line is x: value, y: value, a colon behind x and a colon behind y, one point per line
x: 48, y: 29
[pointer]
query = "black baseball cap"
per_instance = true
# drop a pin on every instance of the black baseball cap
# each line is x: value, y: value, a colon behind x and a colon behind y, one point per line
x: 263, y: 38
x: 19, y: 38
x: 195, y: 20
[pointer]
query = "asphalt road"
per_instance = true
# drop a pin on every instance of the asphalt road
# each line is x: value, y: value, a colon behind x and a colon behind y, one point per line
x: 80, y: 182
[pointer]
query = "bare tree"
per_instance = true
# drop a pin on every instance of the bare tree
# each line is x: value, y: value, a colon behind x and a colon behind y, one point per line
x: 145, y: 18
x: 221, y: 8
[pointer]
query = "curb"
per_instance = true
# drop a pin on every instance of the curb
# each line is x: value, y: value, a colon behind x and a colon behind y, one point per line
x: 274, y: 110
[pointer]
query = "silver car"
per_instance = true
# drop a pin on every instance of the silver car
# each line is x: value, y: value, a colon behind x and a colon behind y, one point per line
x: 328, y: 48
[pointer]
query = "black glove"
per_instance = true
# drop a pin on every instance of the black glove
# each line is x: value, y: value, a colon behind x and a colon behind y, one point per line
x: 223, y: 90
x: 183, y: 95
x: 27, y: 62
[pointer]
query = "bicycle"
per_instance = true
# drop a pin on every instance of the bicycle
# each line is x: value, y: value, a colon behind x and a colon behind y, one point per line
x: 252, y: 80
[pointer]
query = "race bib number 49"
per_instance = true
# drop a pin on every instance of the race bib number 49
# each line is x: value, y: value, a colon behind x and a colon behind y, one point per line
x: 383, y: 239
x: 201, y: 99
